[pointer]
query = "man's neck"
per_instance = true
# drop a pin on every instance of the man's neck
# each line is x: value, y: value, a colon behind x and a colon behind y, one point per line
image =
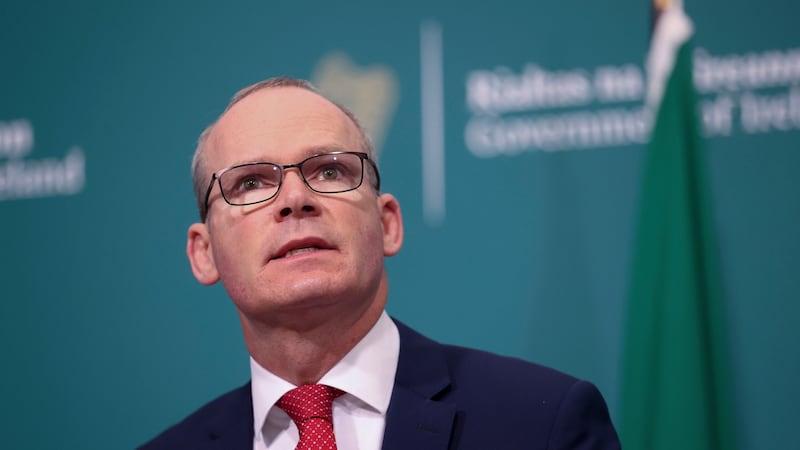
x: 303, y: 356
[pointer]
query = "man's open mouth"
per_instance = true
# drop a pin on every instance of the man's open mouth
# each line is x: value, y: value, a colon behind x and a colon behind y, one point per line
x: 300, y: 250
x: 300, y: 246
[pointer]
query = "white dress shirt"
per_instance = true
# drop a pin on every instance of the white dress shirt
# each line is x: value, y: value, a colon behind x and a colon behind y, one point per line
x: 365, y: 374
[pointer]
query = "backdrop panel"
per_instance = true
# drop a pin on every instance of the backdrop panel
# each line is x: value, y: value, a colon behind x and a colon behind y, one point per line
x: 511, y: 133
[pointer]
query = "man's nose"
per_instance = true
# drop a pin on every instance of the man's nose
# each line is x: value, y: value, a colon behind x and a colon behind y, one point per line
x: 295, y: 198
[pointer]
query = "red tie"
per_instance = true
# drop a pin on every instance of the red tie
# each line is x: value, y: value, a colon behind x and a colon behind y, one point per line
x: 311, y: 408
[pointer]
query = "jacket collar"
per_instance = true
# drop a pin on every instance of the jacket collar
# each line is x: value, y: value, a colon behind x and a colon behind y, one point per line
x: 231, y: 425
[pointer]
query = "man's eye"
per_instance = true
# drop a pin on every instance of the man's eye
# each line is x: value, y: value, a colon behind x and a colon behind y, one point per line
x: 330, y: 173
x: 250, y: 183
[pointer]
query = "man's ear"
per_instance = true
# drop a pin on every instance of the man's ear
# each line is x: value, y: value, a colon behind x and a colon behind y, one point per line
x: 201, y: 255
x: 392, y: 221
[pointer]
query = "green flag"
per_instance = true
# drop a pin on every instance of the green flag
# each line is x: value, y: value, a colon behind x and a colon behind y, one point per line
x: 675, y: 393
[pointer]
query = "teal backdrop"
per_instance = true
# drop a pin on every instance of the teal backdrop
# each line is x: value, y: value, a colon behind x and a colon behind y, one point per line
x: 510, y: 131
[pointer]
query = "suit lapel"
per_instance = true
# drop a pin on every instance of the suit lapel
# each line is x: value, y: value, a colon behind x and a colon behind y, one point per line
x: 415, y: 419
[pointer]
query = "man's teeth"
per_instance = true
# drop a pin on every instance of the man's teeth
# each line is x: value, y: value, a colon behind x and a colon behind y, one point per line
x: 300, y: 250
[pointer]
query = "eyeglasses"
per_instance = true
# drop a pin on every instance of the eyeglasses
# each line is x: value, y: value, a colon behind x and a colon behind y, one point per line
x: 326, y: 173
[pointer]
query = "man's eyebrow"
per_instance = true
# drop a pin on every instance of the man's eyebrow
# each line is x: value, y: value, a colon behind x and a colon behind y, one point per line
x: 307, y: 153
x: 317, y: 149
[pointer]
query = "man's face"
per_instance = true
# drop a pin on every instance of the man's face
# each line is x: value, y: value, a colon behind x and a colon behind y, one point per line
x: 301, y: 250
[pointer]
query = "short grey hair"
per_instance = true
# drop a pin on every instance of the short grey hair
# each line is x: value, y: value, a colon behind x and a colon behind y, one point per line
x: 200, y: 171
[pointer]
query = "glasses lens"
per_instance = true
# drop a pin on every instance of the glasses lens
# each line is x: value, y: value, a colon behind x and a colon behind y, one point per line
x: 333, y: 172
x: 250, y: 183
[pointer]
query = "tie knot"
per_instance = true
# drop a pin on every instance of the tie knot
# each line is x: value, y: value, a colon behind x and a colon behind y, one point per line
x: 309, y: 401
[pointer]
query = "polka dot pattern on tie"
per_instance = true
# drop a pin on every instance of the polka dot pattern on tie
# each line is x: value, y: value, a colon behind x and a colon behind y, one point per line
x: 311, y: 408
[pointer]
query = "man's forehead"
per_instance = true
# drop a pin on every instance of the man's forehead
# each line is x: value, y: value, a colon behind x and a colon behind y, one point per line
x: 284, y: 117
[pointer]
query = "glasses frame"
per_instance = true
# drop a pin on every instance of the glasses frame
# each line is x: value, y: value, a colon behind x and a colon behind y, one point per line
x: 215, y: 176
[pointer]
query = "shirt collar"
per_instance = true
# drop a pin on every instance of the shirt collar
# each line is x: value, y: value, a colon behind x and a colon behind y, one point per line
x: 366, y: 372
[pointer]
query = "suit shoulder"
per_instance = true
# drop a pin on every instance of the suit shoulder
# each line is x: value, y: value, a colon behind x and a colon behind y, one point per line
x: 478, y: 365
x: 489, y: 368
x: 228, y: 410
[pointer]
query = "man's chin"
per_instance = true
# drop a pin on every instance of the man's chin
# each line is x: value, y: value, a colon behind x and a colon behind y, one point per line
x: 306, y: 292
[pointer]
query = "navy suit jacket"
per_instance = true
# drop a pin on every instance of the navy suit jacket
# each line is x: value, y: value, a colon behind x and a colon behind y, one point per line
x: 444, y: 397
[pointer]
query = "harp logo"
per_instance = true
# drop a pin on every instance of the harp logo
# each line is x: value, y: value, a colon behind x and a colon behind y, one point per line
x: 371, y: 92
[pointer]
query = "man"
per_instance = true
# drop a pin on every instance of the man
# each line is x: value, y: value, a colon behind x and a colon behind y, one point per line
x: 296, y: 228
